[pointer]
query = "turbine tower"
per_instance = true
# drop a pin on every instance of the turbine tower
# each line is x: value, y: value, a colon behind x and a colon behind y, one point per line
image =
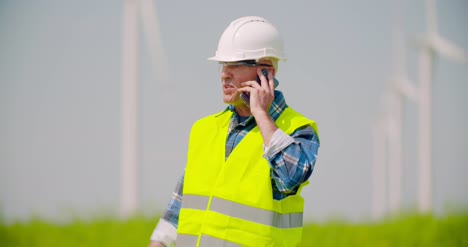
x: 133, y: 10
x: 129, y: 196
x: 430, y: 45
x: 397, y: 87
x: 387, y: 131
x: 379, y: 166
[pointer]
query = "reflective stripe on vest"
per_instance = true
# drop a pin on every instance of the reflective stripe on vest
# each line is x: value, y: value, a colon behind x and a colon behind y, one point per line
x: 244, y: 212
x: 205, y: 241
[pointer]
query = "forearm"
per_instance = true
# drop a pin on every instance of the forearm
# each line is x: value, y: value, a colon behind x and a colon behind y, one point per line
x: 266, y: 126
x: 166, y: 229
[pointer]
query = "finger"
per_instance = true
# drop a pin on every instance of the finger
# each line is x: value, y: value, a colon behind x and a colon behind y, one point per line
x: 263, y: 79
x: 271, y: 81
x: 253, y: 84
x: 246, y: 90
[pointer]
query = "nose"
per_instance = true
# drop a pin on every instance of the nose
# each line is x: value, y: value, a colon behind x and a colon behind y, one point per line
x: 225, y: 74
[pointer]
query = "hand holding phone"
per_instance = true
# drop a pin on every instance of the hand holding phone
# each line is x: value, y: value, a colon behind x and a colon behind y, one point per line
x: 246, y: 96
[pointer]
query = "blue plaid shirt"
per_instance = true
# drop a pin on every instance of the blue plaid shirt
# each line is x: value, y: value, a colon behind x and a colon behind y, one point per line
x: 289, y: 168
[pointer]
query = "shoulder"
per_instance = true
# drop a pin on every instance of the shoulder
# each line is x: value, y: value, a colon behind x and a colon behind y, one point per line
x: 291, y: 120
x: 290, y: 115
x: 216, y: 118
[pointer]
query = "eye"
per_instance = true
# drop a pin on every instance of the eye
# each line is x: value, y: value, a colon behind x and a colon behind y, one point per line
x: 233, y: 66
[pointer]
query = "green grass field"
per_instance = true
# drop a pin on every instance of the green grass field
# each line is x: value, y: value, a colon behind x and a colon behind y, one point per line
x: 408, y: 230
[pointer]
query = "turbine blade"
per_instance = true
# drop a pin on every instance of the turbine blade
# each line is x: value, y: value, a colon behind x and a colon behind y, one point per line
x: 153, y: 39
x: 448, y: 49
x: 408, y: 89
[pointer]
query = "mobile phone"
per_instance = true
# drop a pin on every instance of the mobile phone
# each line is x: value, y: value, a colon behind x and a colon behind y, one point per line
x: 246, y: 96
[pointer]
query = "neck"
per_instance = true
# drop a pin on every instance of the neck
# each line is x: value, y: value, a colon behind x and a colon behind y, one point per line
x: 243, y: 110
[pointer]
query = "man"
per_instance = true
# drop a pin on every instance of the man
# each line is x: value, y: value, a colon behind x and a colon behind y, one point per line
x: 247, y: 164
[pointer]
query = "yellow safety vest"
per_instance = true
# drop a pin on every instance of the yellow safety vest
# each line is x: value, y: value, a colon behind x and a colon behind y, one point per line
x: 230, y: 202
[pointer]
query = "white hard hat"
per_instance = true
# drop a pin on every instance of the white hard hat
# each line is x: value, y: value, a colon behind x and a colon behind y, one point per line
x: 249, y: 38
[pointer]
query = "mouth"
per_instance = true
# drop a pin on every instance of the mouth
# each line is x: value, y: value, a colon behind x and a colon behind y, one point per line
x: 229, y: 88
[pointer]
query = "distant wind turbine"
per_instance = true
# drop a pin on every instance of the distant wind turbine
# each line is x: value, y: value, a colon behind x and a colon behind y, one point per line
x: 387, y: 130
x: 394, y: 125
x: 431, y: 44
x: 133, y: 10
x: 388, y: 165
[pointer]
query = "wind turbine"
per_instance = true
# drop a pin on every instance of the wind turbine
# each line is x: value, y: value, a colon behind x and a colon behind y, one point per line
x: 388, y: 165
x: 431, y: 44
x: 133, y: 10
x: 387, y: 130
x: 397, y: 90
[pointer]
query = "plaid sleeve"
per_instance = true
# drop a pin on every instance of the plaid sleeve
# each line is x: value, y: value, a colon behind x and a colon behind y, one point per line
x: 173, y: 208
x: 294, y: 164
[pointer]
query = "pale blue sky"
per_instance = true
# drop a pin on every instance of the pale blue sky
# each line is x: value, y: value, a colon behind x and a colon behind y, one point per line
x: 60, y: 65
